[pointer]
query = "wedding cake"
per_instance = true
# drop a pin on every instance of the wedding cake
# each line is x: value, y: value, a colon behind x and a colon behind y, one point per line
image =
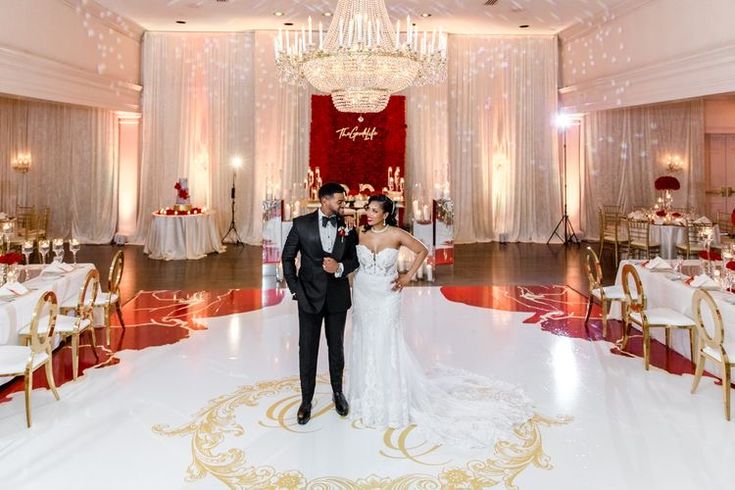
x: 183, y: 199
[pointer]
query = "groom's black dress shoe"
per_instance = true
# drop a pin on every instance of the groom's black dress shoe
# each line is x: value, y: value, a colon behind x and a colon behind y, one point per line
x: 304, y: 414
x: 340, y: 404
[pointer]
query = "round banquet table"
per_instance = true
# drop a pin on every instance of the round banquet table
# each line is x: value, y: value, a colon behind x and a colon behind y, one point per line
x: 669, y: 236
x: 183, y: 237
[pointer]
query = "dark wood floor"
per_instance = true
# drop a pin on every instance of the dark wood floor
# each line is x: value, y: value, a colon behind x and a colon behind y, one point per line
x: 240, y: 267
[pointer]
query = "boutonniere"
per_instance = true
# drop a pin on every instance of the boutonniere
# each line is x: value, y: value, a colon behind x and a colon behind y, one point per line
x: 343, y: 231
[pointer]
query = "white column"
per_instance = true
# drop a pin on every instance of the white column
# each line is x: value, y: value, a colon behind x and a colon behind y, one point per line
x: 129, y: 164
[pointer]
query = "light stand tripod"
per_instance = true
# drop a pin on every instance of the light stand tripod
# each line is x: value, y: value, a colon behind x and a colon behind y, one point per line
x: 569, y: 236
x: 233, y: 228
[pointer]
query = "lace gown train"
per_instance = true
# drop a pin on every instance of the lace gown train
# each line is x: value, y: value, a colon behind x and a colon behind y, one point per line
x: 387, y: 387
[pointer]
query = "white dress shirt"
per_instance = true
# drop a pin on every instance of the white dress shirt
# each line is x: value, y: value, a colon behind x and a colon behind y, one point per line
x: 328, y: 235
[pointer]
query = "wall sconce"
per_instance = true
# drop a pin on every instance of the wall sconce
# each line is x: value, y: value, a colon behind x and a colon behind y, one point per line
x: 674, y: 164
x: 22, y: 162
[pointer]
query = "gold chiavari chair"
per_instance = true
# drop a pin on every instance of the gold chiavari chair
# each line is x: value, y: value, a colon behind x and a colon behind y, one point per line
x: 711, y: 343
x: 639, y: 239
x: 24, y: 360
x: 25, y: 225
x: 82, y: 321
x: 638, y: 313
x: 111, y: 299
x: 40, y: 232
x: 605, y: 295
x: 691, y: 246
x: 612, y: 230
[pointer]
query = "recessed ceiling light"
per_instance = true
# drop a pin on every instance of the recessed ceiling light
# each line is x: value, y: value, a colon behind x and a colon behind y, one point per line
x: 327, y: 14
x: 181, y: 22
x: 426, y: 14
x: 524, y: 26
x: 278, y: 14
x: 288, y: 23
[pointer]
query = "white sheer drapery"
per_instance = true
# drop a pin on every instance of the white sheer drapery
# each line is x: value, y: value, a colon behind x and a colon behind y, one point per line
x: 74, y: 170
x: 625, y: 150
x: 198, y: 113
x: 282, y: 123
x: 427, y: 139
x: 503, y: 161
x: 487, y: 129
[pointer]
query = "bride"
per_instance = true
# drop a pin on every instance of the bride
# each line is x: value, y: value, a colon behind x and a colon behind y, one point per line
x: 387, y: 387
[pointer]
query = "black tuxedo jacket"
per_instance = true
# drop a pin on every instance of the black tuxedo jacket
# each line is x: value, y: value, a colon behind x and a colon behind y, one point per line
x: 313, y: 287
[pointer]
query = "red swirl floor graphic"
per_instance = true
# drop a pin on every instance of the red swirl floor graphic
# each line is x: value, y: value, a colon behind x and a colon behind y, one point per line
x: 156, y: 318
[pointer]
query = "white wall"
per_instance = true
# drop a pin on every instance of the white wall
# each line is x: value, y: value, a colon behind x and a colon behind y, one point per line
x: 69, y: 51
x: 652, y: 51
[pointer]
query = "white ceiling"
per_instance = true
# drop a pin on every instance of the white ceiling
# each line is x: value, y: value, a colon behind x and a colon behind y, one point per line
x: 457, y: 16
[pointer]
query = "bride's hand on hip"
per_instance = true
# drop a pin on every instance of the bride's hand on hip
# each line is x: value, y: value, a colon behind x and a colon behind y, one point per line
x: 401, y: 282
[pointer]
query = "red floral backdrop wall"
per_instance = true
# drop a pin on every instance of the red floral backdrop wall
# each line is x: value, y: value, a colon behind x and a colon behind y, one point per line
x: 353, y: 152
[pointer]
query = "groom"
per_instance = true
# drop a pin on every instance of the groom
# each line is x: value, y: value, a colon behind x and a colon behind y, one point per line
x: 322, y: 290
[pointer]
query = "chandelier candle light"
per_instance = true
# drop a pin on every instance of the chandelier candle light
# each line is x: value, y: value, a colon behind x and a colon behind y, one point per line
x: 361, y: 60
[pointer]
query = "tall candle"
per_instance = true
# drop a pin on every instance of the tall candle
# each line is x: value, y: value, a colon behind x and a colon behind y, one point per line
x: 429, y: 273
x: 287, y: 212
x: 427, y: 213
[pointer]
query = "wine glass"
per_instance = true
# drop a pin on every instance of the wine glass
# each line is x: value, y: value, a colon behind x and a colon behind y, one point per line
x: 74, y: 247
x: 43, y: 247
x: 58, y: 245
x: 27, y: 249
x: 678, y: 261
x: 12, y: 273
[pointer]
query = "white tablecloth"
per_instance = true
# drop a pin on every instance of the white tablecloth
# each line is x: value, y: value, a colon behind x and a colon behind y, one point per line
x: 669, y: 236
x: 183, y: 237
x: 662, y: 291
x: 17, y: 313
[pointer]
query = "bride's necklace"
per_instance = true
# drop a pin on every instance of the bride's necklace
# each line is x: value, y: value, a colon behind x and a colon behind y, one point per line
x: 382, y: 230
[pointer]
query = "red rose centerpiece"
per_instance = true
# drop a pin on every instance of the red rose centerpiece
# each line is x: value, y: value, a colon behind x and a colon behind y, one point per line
x: 667, y: 183
x: 711, y: 255
x: 11, y: 258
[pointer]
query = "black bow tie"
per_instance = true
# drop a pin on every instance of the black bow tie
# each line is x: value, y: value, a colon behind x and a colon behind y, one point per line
x: 329, y: 219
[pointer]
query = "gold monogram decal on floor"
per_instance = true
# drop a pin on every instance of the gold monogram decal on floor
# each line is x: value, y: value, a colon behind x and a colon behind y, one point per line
x: 212, y: 425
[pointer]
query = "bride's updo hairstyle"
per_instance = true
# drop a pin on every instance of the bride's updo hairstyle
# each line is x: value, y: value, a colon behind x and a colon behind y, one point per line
x: 388, y: 206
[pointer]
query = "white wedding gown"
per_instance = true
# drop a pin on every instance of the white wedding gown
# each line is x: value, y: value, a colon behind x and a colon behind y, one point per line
x: 388, y: 388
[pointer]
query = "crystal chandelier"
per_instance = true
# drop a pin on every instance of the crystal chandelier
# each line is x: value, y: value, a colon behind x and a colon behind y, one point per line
x: 362, y: 59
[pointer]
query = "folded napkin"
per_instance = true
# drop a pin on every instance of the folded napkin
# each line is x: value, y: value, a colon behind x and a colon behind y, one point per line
x: 703, y: 221
x: 658, y: 221
x: 57, y: 268
x: 637, y: 215
x: 702, y: 281
x: 13, y: 289
x: 657, y: 263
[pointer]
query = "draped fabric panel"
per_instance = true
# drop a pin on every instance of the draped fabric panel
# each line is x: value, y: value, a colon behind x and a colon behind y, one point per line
x: 74, y: 168
x: 282, y: 123
x: 503, y: 162
x: 625, y: 150
x: 198, y: 113
x: 427, y: 139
